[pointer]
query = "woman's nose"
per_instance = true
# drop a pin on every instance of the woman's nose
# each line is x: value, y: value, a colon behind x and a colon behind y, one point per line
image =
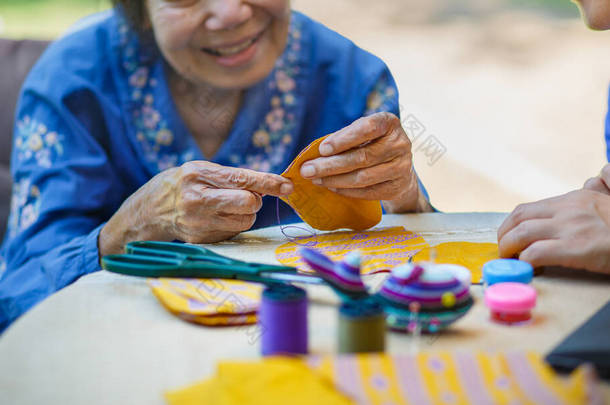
x: 227, y: 14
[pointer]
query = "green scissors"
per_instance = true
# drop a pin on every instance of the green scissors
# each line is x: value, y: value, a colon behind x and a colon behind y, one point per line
x: 178, y: 260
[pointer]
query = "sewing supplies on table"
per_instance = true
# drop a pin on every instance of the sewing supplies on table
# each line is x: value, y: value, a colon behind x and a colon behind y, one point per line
x: 361, y: 327
x: 507, y: 270
x: 415, y: 297
x: 178, y: 260
x: 510, y: 303
x: 343, y: 276
x: 471, y: 255
x: 283, y: 310
x: 283, y: 320
x: 210, y: 302
x: 435, y: 378
x: 425, y: 296
x: 380, y: 249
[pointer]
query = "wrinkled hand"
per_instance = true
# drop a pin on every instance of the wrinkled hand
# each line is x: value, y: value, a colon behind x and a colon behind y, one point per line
x: 199, y: 202
x: 370, y: 159
x: 572, y: 230
x: 600, y: 183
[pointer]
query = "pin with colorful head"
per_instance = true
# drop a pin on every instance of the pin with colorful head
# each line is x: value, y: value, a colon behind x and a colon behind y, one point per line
x: 343, y: 276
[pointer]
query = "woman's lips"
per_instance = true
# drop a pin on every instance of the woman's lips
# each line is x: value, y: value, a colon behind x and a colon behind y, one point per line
x: 236, y: 54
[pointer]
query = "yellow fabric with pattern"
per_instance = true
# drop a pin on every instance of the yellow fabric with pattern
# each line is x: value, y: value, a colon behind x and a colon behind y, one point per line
x: 380, y: 249
x: 321, y: 208
x: 380, y: 379
x: 209, y: 302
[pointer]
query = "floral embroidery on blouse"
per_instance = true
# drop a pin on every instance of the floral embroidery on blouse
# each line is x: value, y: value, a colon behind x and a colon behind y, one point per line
x: 269, y: 143
x: 25, y: 206
x: 382, y: 97
x: 152, y: 129
x: 33, y: 140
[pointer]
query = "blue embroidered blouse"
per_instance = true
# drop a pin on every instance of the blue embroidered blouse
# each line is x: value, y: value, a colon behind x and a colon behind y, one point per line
x: 96, y: 121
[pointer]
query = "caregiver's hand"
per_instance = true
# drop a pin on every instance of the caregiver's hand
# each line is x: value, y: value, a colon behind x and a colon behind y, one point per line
x: 572, y: 230
x: 370, y: 159
x: 199, y: 202
x: 601, y: 183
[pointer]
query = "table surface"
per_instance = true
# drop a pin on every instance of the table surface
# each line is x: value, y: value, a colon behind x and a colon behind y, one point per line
x: 105, y: 339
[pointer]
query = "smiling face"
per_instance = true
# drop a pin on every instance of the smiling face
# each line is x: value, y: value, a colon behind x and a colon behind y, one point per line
x: 229, y: 44
x: 596, y: 13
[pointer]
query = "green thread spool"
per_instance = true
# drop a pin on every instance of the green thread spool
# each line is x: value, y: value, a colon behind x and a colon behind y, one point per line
x: 362, y: 327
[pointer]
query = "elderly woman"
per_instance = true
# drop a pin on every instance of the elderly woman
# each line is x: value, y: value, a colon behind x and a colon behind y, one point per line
x: 572, y: 230
x: 170, y: 120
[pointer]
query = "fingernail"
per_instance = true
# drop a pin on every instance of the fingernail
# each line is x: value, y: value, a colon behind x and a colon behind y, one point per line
x: 326, y: 149
x: 308, y: 171
x: 317, y: 182
x: 334, y: 190
x: 286, y: 189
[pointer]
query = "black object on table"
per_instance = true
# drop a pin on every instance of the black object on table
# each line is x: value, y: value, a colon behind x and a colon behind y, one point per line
x: 589, y: 343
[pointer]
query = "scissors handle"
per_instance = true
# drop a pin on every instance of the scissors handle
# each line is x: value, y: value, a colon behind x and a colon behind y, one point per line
x: 147, y: 266
x: 167, y: 259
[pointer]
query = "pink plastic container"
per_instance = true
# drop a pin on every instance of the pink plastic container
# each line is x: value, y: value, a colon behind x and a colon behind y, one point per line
x: 510, y: 302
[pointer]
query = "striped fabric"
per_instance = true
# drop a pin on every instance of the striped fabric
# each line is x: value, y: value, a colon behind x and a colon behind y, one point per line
x: 456, y: 378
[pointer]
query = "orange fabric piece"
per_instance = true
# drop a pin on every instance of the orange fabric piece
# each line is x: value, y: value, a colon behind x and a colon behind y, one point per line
x: 471, y: 255
x: 321, y: 208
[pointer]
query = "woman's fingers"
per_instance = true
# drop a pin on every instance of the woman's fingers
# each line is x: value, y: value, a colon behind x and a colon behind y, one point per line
x: 523, y: 235
x: 372, y: 154
x: 392, y: 145
x: 226, y: 201
x: 224, y: 177
x: 235, y: 222
x: 382, y: 191
x: 359, y: 132
x: 365, y: 177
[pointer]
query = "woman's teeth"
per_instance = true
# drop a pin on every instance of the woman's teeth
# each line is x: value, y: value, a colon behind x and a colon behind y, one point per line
x: 230, y: 50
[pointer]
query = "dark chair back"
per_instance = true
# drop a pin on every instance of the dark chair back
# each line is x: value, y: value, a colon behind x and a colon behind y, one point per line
x: 16, y: 60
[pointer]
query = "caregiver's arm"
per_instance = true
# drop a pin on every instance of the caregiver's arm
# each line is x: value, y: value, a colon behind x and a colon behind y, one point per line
x: 370, y: 159
x: 572, y: 230
x: 199, y: 202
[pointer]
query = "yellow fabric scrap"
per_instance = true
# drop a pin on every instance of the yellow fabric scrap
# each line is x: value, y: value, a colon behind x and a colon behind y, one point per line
x: 471, y: 255
x: 380, y: 248
x: 321, y: 208
x: 273, y: 381
x: 209, y: 302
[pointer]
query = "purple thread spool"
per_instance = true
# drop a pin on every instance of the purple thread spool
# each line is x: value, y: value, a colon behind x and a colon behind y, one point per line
x: 283, y: 320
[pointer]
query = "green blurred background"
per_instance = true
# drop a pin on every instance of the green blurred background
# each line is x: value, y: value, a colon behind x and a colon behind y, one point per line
x: 43, y: 18
x: 49, y: 18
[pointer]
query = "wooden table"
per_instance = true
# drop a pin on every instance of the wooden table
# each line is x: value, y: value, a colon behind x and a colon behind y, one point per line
x: 106, y: 339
